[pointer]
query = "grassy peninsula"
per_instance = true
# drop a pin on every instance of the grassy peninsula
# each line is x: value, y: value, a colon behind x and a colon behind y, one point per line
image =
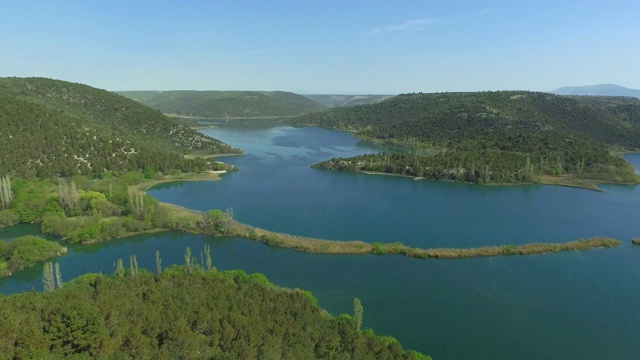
x: 505, y: 137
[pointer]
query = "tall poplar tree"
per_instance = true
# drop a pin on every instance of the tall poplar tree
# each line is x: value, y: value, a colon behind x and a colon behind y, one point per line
x: 48, y: 282
x: 358, y: 314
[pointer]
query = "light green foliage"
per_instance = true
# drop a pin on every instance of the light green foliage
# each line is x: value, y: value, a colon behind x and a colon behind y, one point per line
x: 95, y: 203
x: 215, y: 222
x: 119, y: 269
x: 32, y: 198
x: 358, y: 314
x: 26, y: 251
x: 8, y: 217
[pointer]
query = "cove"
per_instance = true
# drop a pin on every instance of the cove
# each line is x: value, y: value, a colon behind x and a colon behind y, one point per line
x: 574, y: 305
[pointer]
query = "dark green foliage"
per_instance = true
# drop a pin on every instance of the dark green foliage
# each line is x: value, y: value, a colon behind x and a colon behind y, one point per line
x: 54, y: 128
x: 492, y: 136
x: 26, y: 251
x: 483, y: 167
x: 223, y: 104
x: 211, y: 315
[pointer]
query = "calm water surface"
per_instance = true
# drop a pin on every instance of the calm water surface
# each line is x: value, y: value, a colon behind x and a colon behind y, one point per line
x: 575, y: 305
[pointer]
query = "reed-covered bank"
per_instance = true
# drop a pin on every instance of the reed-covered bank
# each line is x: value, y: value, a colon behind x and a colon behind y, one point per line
x: 358, y: 247
x: 218, y: 223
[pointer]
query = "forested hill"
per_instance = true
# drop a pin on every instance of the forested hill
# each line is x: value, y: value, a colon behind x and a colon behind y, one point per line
x: 178, y: 315
x: 558, y: 134
x: 56, y: 128
x: 226, y: 104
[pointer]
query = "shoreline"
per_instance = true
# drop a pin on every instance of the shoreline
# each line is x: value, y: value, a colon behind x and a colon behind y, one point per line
x: 586, y: 184
x: 231, y: 118
x: 334, y: 247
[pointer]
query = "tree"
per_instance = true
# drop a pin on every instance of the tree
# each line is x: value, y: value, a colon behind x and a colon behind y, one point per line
x: 119, y: 269
x: 58, y: 276
x: 133, y: 265
x: 207, y: 252
x: 6, y: 195
x: 187, y: 259
x: 136, y: 203
x: 68, y: 196
x: 158, y: 262
x: 358, y: 312
x: 47, y: 277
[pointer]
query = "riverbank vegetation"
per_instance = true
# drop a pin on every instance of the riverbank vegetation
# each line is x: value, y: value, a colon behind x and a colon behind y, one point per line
x: 87, y: 211
x: 493, y: 137
x: 26, y: 251
x: 496, y: 168
x: 182, y: 313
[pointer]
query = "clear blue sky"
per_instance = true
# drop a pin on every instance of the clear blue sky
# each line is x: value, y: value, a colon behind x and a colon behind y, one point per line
x: 319, y: 46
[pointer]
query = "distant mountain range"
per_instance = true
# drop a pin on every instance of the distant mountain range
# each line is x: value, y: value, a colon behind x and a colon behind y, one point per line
x: 225, y: 104
x: 601, y: 90
x: 331, y: 100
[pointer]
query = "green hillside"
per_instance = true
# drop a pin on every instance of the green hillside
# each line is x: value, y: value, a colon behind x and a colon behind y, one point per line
x: 509, y: 136
x: 182, y: 314
x: 56, y: 128
x: 226, y: 104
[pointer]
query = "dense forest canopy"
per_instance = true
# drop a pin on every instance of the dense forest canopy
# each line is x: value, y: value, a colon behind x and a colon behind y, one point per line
x: 183, y: 313
x: 56, y: 128
x: 512, y: 135
x: 226, y: 104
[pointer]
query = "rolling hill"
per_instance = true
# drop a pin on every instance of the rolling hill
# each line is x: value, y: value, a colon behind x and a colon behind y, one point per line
x: 57, y: 128
x: 601, y: 90
x: 508, y: 136
x: 226, y: 104
x: 346, y: 100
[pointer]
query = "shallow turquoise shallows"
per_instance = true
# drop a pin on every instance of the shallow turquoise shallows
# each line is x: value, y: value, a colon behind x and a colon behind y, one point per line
x: 572, y: 305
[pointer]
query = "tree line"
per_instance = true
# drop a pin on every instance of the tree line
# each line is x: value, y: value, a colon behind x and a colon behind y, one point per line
x: 182, y: 313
